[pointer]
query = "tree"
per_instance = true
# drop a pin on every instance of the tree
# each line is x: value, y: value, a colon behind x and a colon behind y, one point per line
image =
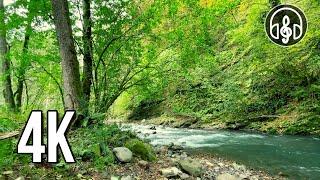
x: 70, y: 65
x: 7, y: 92
x: 23, y: 62
x: 87, y: 52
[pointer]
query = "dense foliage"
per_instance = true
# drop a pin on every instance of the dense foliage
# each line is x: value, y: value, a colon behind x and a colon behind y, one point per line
x: 200, y: 61
x: 209, y: 58
x: 217, y: 64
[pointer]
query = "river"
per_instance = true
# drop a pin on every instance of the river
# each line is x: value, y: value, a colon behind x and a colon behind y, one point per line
x: 297, y: 157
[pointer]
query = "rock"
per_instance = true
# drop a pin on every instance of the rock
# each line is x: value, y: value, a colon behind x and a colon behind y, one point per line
x: 243, y: 176
x: 220, y: 164
x: 123, y: 154
x: 175, y: 148
x: 184, y: 155
x: 227, y: 176
x: 143, y: 121
x: 239, y: 167
x: 161, y: 162
x: 20, y: 178
x: 161, y: 150
x: 184, y: 176
x: 154, y: 132
x: 114, y: 178
x: 209, y: 164
x: 153, y: 128
x: 143, y: 164
x: 126, y: 178
x: 282, y: 174
x: 79, y: 176
x: 7, y: 172
x: 216, y: 169
x: 170, y: 172
x: 190, y: 166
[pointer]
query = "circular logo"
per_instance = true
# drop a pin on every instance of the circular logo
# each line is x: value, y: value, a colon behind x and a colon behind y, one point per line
x: 286, y: 25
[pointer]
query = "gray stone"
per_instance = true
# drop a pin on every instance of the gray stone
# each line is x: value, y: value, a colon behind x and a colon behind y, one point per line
x: 144, y: 164
x: 221, y: 164
x: 114, y: 178
x: 176, y: 148
x: 20, y: 178
x: 170, y: 172
x: 190, y: 166
x: 184, y: 155
x: 227, y: 176
x: 126, y: 178
x: 123, y: 154
x: 184, y: 176
x: 216, y: 169
x: 239, y: 167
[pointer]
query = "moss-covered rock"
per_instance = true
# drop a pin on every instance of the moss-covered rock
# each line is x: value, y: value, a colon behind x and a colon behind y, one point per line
x: 141, y: 149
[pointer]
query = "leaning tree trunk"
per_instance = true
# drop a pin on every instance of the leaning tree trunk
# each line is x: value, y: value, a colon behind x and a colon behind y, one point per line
x: 87, y: 52
x: 69, y: 62
x: 7, y: 92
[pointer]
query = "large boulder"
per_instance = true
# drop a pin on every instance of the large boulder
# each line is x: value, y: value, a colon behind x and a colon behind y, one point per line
x: 170, y: 172
x: 123, y: 154
x: 190, y: 166
x: 227, y: 176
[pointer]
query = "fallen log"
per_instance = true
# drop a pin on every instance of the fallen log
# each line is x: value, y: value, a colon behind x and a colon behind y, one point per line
x: 9, y: 135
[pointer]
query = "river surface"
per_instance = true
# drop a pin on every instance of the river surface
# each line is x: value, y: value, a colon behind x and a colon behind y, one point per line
x: 295, y: 156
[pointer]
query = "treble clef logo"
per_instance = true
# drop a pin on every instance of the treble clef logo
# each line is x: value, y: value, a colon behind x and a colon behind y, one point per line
x: 286, y: 25
x: 285, y: 31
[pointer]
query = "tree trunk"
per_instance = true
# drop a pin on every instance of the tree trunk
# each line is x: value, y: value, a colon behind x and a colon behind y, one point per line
x: 23, y: 65
x: 87, y: 52
x: 7, y: 92
x: 69, y: 62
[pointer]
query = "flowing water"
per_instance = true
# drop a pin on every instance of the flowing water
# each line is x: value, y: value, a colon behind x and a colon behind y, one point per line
x: 295, y: 156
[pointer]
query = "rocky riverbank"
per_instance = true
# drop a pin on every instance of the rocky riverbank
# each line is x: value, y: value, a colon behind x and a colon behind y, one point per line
x: 174, y: 163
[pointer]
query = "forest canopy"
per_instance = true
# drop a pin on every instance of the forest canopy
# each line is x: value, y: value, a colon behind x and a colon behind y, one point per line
x: 209, y: 59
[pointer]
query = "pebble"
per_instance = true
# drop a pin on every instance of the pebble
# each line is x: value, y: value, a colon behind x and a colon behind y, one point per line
x: 126, y: 178
x: 209, y: 164
x: 170, y: 172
